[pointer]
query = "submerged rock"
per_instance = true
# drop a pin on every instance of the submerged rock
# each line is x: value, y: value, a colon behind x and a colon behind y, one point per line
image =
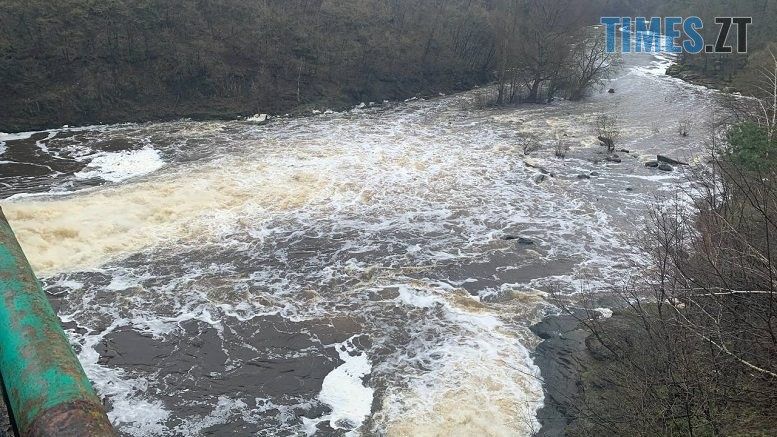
x: 520, y: 240
x: 539, y: 178
x: 652, y: 164
x: 583, y: 176
x: 665, y: 167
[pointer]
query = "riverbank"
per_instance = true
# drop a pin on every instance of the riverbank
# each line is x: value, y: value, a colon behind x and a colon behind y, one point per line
x: 219, y: 109
x: 570, y: 358
x: 689, y: 73
x: 576, y: 369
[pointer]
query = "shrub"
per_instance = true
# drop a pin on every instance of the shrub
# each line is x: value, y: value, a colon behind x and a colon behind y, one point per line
x: 749, y: 146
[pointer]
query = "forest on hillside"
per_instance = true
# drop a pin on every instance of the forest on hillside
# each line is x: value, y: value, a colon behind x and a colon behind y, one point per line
x: 87, y: 61
x: 738, y: 71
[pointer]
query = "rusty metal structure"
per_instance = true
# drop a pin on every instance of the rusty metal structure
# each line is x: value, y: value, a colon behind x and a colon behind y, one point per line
x: 48, y: 391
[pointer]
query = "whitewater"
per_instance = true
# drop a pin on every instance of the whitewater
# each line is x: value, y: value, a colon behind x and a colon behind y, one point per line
x: 366, y: 272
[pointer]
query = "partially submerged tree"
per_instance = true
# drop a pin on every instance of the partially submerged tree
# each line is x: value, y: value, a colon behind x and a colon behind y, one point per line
x: 544, y: 49
x: 560, y: 149
x: 589, y: 64
x: 607, y: 130
x: 530, y: 143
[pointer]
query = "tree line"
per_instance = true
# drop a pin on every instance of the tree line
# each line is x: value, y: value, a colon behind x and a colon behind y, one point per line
x: 86, y: 61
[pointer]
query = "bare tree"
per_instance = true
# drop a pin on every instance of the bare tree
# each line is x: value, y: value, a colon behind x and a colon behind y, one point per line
x: 589, y: 63
x: 544, y: 45
x: 767, y: 116
x: 529, y: 144
x: 607, y: 131
x: 560, y: 149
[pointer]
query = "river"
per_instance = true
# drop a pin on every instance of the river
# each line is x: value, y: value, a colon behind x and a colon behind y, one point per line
x: 373, y: 271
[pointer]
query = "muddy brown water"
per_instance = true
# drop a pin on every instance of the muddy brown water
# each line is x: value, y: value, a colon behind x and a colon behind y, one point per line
x: 353, y: 273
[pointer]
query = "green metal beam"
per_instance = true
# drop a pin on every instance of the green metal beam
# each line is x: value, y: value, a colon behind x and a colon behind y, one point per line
x: 47, y: 388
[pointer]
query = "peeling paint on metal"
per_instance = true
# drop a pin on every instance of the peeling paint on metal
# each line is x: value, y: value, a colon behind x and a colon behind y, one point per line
x: 42, y: 376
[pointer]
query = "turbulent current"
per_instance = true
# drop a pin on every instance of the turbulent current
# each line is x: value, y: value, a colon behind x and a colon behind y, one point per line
x: 372, y: 271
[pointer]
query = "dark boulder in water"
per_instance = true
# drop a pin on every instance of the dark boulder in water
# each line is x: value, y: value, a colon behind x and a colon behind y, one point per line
x: 665, y: 167
x: 652, y: 164
x: 662, y: 158
x: 520, y: 240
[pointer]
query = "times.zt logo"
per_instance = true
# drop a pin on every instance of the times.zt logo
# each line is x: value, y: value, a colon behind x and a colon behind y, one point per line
x: 741, y: 24
x: 673, y: 34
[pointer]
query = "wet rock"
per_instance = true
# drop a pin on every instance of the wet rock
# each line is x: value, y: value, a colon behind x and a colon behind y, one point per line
x: 671, y: 161
x: 624, y: 151
x: 665, y: 167
x: 652, y: 164
x: 583, y: 176
x: 539, y: 178
x: 614, y: 159
x: 266, y: 356
x: 9, y: 169
x: 594, y: 173
x: 629, y: 189
x: 557, y: 357
x: 611, y: 90
x: 520, y: 240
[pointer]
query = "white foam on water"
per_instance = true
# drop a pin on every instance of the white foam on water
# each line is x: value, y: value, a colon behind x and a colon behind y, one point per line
x: 344, y: 391
x: 120, y: 166
x: 479, y: 378
x: 5, y: 137
x: 133, y: 411
x: 351, y: 215
x: 225, y: 409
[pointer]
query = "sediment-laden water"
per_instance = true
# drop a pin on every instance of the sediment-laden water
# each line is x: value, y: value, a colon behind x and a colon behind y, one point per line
x: 367, y: 272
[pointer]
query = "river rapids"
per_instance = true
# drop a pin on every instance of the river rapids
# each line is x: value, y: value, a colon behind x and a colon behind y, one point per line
x: 366, y: 272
